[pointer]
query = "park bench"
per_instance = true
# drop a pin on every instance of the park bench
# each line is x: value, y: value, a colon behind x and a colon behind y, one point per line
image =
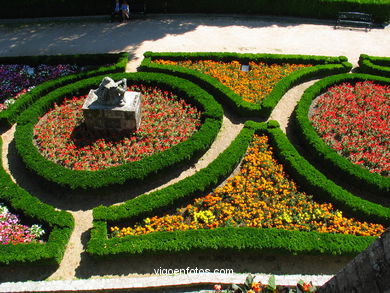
x: 355, y: 19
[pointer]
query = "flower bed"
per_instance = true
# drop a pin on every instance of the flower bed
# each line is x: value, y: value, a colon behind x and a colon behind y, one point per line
x: 253, y: 86
x: 261, y: 196
x: 321, y: 154
x: 322, y: 66
x: 353, y: 119
x: 16, y: 79
x: 181, y: 153
x: 265, y: 240
x: 62, y: 137
x: 12, y: 232
x: 89, y: 65
x: 59, y: 226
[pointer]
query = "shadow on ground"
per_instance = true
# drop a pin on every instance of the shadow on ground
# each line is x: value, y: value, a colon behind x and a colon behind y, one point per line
x: 102, y: 36
x: 243, y: 262
x: 74, y: 200
x: 28, y: 272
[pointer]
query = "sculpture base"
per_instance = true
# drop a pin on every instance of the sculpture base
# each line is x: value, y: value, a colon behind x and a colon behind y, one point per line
x: 105, y: 118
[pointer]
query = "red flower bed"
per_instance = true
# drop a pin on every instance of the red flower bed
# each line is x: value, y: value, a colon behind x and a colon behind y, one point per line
x: 354, y: 121
x: 61, y: 135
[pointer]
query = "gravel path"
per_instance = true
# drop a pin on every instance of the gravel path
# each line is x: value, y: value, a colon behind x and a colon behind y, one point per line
x: 287, y: 103
x: 83, y: 218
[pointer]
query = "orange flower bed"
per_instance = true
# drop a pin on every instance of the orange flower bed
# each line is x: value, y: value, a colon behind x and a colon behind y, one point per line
x: 253, y: 86
x: 261, y: 196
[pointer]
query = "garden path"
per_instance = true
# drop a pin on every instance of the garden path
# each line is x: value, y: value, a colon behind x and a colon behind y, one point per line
x: 284, y: 109
x: 83, y: 218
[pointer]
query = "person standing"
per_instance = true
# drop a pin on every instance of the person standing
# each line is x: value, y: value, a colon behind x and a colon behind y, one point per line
x: 125, y: 10
x: 117, y: 11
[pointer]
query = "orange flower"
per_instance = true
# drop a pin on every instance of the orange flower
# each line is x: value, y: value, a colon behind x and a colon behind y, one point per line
x: 262, y: 195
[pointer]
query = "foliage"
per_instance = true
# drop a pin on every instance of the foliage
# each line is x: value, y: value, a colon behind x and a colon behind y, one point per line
x: 58, y: 226
x: 352, y: 174
x: 322, y: 66
x: 61, y: 135
x: 138, y: 170
x: 17, y: 79
x: 253, y: 86
x: 12, y: 232
x: 261, y: 196
x: 374, y: 65
x: 320, y: 186
x: 250, y: 286
x: 298, y: 8
x: 354, y: 120
x: 266, y: 240
x: 88, y: 61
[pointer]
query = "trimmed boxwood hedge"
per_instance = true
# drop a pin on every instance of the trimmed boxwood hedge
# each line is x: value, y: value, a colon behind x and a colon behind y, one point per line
x: 326, y: 156
x: 302, y: 8
x: 316, y: 183
x: 374, y: 65
x: 139, y: 170
x: 60, y: 224
x: 116, y: 63
x: 259, y: 240
x: 323, y: 66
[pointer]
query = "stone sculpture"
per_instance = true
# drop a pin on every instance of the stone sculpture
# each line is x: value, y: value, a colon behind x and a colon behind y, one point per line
x: 112, y: 108
x: 111, y: 93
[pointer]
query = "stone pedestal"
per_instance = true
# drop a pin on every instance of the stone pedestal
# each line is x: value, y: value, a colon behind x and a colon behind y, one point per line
x: 113, y: 118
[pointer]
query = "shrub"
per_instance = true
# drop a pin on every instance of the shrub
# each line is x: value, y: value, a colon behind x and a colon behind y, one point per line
x: 118, y: 61
x: 323, y: 66
x: 139, y: 170
x: 374, y: 65
x: 323, y: 154
x: 59, y: 223
x: 301, y: 8
x: 227, y: 238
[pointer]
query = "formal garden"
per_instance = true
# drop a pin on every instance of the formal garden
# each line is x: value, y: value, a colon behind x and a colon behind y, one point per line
x: 267, y: 192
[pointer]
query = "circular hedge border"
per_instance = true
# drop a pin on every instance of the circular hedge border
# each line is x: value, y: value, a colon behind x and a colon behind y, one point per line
x: 197, y: 144
x: 329, y: 158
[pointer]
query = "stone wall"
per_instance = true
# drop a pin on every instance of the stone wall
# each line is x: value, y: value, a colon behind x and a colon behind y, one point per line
x: 369, y: 272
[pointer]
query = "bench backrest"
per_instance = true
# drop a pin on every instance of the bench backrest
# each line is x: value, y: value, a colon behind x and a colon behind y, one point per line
x: 355, y: 16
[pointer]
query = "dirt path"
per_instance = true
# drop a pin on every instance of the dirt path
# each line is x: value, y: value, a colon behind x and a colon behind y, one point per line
x: 72, y: 259
x: 287, y: 103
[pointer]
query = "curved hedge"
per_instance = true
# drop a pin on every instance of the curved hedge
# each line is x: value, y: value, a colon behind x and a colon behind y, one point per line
x: 259, y: 240
x: 118, y: 61
x: 60, y: 223
x: 374, y: 65
x: 195, y: 145
x: 317, y: 184
x: 323, y: 66
x: 301, y: 8
x: 326, y: 156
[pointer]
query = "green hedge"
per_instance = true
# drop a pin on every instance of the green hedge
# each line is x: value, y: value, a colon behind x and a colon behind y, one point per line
x: 139, y: 170
x: 374, y: 65
x: 322, y: 153
x: 118, y: 63
x: 323, y: 66
x: 259, y: 240
x: 302, y: 8
x: 316, y: 183
x: 59, y: 225
x: 169, y: 197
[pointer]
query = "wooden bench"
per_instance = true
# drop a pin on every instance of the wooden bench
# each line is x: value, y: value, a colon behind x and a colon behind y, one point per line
x: 355, y: 19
